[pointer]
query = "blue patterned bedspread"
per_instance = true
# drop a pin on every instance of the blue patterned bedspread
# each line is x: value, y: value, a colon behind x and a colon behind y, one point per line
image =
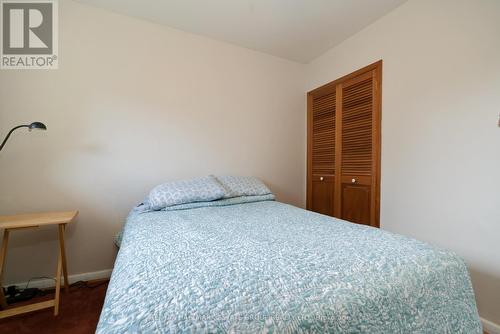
x: 266, y: 267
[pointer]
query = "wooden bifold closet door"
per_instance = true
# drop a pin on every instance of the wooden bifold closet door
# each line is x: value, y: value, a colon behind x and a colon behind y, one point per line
x: 343, y: 150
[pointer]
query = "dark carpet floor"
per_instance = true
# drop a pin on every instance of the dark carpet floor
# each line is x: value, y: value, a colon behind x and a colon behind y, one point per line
x: 78, y: 312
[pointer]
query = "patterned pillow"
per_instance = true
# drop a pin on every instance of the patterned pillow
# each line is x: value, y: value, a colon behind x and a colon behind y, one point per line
x: 202, y: 189
x: 236, y: 186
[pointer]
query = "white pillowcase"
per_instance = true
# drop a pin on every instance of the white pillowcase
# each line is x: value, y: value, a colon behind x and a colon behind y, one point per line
x: 202, y: 189
x: 236, y: 186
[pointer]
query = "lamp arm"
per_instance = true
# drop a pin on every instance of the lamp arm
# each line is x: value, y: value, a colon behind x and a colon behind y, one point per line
x: 10, y: 132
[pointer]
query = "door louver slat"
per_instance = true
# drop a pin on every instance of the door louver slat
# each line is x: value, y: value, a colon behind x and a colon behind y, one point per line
x: 323, y: 139
x: 357, y: 122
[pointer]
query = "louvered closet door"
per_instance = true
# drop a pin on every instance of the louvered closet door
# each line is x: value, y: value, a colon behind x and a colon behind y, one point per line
x: 359, y: 150
x: 343, y: 166
x: 322, y: 147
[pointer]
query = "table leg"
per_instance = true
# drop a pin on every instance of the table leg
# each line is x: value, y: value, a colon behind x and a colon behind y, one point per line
x: 3, y: 254
x: 58, y: 284
x: 62, y: 251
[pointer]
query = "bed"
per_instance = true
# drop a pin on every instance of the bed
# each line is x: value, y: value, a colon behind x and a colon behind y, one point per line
x: 251, y: 264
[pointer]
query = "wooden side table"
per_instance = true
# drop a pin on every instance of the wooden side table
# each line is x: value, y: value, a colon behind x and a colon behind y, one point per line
x: 17, y: 222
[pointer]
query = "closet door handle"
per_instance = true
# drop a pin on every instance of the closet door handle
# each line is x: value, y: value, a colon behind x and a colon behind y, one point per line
x: 353, y: 180
x: 321, y: 178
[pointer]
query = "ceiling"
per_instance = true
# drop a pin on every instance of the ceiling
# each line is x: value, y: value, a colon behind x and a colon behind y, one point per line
x: 299, y: 30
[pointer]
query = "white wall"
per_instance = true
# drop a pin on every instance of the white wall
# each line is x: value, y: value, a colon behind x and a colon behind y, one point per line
x: 134, y: 104
x: 441, y: 143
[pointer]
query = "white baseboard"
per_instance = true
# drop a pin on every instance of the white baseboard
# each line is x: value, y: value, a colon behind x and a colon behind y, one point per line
x: 49, y: 283
x: 490, y: 327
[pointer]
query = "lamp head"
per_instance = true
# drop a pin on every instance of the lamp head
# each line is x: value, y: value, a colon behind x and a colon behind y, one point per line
x: 32, y: 126
x: 37, y: 126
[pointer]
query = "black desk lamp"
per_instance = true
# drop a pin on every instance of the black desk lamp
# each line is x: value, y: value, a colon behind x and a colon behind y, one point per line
x: 32, y: 126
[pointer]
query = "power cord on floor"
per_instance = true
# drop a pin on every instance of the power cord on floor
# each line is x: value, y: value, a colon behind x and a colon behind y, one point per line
x: 85, y: 284
x: 82, y: 284
x: 14, y: 294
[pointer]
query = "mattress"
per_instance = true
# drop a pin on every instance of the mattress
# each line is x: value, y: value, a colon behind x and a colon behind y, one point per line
x: 264, y: 266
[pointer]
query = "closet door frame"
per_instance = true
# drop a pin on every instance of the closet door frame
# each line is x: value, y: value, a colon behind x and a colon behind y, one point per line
x: 336, y: 85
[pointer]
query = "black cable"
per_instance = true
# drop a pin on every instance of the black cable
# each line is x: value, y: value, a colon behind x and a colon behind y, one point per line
x: 85, y: 284
x: 82, y: 284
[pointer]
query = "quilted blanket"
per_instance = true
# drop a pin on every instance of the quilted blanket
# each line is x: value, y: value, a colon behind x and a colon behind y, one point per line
x: 268, y: 267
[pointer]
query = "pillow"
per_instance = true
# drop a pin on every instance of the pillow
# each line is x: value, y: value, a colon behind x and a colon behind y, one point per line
x: 202, y: 189
x: 237, y: 186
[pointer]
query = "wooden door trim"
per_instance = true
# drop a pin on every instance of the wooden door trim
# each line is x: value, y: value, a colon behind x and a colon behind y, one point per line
x: 362, y: 77
x: 331, y: 86
x: 377, y: 142
x: 309, y: 151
